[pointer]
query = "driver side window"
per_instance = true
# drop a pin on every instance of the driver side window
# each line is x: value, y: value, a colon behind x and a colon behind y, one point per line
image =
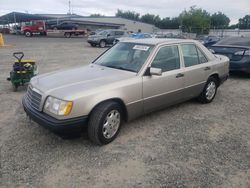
x: 167, y: 58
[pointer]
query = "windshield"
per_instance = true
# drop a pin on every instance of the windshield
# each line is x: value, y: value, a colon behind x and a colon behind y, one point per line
x: 125, y: 56
x: 237, y: 41
x: 104, y: 33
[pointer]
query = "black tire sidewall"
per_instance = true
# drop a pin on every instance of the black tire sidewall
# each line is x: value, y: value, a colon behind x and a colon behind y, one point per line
x: 101, y: 43
x: 29, y: 35
x: 67, y: 35
x: 203, y: 97
x: 104, y: 109
x: 102, y: 139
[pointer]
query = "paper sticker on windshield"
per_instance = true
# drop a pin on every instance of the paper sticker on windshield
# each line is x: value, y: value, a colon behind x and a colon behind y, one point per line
x: 140, y: 47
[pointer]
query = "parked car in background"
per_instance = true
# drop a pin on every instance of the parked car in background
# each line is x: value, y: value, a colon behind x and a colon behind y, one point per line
x: 65, y: 26
x: 237, y: 49
x: 105, y: 37
x: 130, y: 79
x: 208, y: 40
x: 133, y: 36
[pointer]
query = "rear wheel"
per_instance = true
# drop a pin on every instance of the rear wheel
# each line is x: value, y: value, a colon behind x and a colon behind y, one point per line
x: 102, y: 43
x: 14, y: 87
x: 209, y: 91
x: 104, y: 123
x: 67, y: 35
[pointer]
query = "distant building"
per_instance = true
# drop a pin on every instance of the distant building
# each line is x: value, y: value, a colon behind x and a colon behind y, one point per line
x: 126, y: 24
x: 93, y: 23
x: 90, y: 23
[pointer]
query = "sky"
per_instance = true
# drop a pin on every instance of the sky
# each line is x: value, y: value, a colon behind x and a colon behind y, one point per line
x: 234, y: 9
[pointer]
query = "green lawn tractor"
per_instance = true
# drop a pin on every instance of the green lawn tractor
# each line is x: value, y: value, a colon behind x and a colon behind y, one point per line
x: 23, y: 71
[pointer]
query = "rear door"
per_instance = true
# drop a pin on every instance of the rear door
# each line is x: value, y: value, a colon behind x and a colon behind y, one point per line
x: 111, y: 37
x: 167, y: 89
x: 197, y: 70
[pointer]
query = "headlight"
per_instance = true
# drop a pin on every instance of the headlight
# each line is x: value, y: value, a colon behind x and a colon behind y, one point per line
x: 58, y: 106
x: 243, y: 52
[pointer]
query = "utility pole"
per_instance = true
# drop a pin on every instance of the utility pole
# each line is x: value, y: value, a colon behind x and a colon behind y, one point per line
x: 69, y: 12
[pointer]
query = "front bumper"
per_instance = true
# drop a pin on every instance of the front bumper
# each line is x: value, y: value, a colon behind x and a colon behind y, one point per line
x: 93, y: 41
x: 55, y: 125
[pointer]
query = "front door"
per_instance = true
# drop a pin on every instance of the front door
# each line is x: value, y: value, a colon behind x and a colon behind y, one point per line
x: 166, y: 89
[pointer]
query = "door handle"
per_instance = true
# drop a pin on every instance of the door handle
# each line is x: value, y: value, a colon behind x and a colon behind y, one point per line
x: 207, y: 68
x: 179, y: 75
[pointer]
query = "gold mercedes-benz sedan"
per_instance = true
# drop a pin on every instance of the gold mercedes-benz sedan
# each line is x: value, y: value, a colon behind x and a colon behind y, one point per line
x: 132, y: 78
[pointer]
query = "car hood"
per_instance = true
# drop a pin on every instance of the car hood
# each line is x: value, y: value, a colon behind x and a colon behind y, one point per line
x: 96, y: 36
x: 84, y: 78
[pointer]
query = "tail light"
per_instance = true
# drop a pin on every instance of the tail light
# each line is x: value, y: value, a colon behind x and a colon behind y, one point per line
x: 243, y: 53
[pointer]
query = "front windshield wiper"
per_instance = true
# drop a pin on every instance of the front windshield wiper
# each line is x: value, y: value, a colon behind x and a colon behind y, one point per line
x: 121, y: 68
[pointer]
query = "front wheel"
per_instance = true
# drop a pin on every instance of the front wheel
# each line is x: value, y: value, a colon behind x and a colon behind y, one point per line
x: 104, y: 123
x: 102, y: 44
x: 209, y: 91
x: 28, y: 34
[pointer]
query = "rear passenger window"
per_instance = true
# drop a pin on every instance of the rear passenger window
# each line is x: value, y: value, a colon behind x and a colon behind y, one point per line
x: 202, y: 57
x: 167, y: 59
x: 190, y: 55
x: 112, y: 33
x: 119, y: 33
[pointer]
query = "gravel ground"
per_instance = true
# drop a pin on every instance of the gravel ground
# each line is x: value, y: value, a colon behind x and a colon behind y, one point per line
x: 187, y: 145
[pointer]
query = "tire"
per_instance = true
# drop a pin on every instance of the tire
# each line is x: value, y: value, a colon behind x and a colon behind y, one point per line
x: 105, y: 122
x: 93, y: 45
x: 102, y: 43
x: 67, y: 35
x: 14, y: 87
x: 28, y: 34
x: 43, y: 33
x: 209, y: 91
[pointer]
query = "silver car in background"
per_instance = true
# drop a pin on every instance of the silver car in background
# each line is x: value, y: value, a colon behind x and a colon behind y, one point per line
x: 129, y: 80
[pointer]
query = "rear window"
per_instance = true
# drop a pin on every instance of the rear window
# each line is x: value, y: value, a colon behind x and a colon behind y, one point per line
x: 236, y: 41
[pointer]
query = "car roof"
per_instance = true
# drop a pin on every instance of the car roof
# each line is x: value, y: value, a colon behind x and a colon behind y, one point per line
x: 157, y: 41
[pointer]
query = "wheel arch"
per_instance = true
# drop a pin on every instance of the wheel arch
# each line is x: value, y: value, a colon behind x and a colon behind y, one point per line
x: 119, y: 101
x: 216, y: 76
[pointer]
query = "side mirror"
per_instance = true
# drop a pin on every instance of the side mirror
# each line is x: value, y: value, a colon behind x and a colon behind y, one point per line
x: 155, y: 71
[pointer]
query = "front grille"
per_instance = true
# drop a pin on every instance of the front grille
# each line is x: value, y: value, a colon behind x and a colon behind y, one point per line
x: 33, y: 98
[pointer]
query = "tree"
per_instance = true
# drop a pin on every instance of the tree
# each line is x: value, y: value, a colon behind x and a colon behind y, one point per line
x: 128, y: 14
x: 244, y: 23
x: 96, y: 15
x: 219, y: 20
x: 195, y: 20
x: 169, y: 23
x: 151, y: 19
